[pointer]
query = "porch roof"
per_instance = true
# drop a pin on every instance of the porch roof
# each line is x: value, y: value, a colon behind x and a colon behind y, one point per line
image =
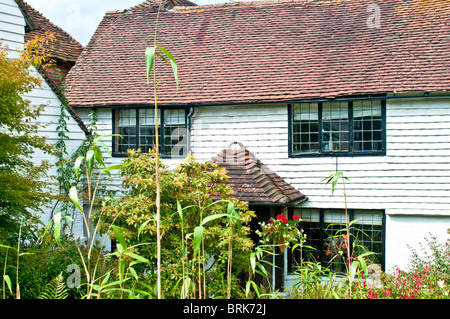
x: 254, y: 182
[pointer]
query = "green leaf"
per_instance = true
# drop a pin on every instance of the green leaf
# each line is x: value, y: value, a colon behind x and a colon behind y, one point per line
x: 118, y: 166
x: 173, y: 63
x: 180, y: 210
x: 137, y: 257
x: 77, y: 165
x: 213, y: 217
x: 57, y: 227
x: 143, y: 225
x: 198, y: 235
x: 100, y: 137
x: 73, y: 194
x: 90, y: 155
x: 133, y: 273
x: 149, y: 58
x: 8, y: 282
x: 98, y: 155
x: 253, y: 261
x: 353, y: 270
x: 119, y: 235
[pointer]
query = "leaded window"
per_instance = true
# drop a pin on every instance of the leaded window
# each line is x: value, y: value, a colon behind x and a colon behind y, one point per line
x: 326, y: 229
x: 336, y: 128
x: 138, y: 131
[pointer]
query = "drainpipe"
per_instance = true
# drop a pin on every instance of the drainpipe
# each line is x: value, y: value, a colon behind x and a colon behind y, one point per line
x: 189, y: 127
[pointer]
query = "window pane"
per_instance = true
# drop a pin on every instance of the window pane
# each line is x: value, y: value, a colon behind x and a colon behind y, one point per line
x: 147, y: 129
x: 335, y: 127
x: 175, y: 133
x: 367, y: 128
x: 125, y: 125
x: 305, y: 127
x: 368, y: 233
x: 310, y: 223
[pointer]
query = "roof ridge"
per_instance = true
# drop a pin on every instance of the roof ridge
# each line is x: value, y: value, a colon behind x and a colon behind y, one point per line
x: 251, y: 3
x: 155, y: 3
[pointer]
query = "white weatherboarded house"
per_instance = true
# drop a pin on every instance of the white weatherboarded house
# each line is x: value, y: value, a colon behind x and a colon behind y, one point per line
x: 310, y: 88
x: 18, y: 21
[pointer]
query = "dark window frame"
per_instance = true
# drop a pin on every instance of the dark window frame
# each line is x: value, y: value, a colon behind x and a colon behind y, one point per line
x: 323, y: 229
x: 161, y: 129
x: 350, y: 152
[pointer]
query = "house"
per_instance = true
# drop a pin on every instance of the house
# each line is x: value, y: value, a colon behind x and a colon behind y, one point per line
x: 307, y: 88
x: 20, y: 23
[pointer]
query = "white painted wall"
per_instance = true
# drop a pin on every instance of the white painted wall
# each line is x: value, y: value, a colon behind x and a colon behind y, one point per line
x: 12, y: 30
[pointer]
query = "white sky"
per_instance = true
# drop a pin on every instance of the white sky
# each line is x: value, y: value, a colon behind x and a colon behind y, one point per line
x: 80, y: 18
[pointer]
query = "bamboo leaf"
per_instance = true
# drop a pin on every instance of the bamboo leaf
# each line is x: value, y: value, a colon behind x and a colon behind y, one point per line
x: 213, y: 217
x: 77, y: 165
x: 173, y: 63
x: 8, y: 282
x: 118, y: 166
x: 253, y: 261
x: 119, y: 235
x: 73, y: 194
x: 98, y: 155
x: 90, y: 155
x: 198, y: 234
x: 180, y: 210
x: 141, y: 228
x: 149, y: 58
x: 137, y: 257
x: 57, y: 227
x: 100, y: 137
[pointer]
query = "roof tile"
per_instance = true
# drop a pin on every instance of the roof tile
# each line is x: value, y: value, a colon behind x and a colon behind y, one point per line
x: 254, y: 182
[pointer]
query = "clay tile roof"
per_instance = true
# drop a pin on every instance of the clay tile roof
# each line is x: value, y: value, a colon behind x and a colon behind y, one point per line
x: 254, y: 182
x: 267, y: 51
x: 65, y: 48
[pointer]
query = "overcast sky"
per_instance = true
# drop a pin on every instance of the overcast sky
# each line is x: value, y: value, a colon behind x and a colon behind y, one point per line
x: 80, y: 18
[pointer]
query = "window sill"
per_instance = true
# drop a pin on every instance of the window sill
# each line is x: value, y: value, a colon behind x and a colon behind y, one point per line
x: 337, y: 154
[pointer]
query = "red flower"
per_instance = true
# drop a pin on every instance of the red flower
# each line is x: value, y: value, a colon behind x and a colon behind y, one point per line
x: 372, y: 295
x: 296, y: 217
x: 388, y: 292
x: 285, y: 220
x: 344, y: 246
x: 328, y: 253
x: 280, y: 217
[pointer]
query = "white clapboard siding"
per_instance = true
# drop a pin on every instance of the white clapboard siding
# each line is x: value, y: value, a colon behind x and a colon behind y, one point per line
x: 414, y: 175
x: 12, y: 25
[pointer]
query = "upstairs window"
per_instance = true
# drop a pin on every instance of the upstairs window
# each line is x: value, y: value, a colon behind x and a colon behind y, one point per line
x: 337, y: 128
x: 137, y: 130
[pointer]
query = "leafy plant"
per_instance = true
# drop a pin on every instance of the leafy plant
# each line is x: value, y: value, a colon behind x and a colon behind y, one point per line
x: 283, y: 231
x: 201, y: 226
x: 55, y: 289
x: 24, y: 183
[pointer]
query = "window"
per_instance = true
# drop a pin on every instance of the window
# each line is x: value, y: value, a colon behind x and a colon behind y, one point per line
x: 137, y: 130
x: 323, y: 227
x: 337, y: 128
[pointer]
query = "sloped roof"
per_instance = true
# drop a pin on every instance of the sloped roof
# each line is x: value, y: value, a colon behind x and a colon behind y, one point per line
x: 65, y: 48
x: 254, y: 182
x: 266, y: 51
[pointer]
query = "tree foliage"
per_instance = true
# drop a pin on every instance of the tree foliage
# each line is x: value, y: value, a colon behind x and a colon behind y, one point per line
x: 195, y: 200
x: 23, y: 188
